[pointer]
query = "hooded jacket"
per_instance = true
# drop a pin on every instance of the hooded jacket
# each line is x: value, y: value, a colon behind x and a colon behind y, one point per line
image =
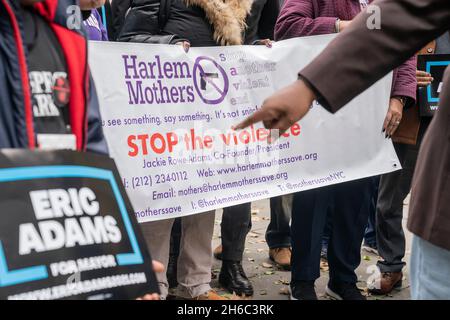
x: 16, y: 116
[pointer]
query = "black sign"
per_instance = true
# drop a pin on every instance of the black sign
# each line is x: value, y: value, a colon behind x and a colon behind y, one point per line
x: 435, y: 64
x: 67, y: 229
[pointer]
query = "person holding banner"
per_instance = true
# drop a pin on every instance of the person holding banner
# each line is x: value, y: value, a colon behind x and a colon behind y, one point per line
x: 350, y: 201
x: 405, y: 28
x: 187, y: 23
x: 47, y: 98
x: 33, y: 108
x: 395, y: 186
x: 237, y: 220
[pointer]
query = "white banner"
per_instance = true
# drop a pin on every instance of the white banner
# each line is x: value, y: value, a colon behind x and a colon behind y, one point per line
x: 167, y: 116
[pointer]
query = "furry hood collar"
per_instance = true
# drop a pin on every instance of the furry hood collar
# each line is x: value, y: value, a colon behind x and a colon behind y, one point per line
x: 227, y: 18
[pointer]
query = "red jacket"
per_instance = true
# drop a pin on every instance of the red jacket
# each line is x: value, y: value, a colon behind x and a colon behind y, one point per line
x: 83, y: 105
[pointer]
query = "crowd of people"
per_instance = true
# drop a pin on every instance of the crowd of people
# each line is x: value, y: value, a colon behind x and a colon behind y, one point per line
x: 331, y: 223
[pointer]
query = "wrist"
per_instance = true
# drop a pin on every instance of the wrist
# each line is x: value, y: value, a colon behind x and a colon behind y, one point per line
x: 304, y: 86
x: 401, y: 99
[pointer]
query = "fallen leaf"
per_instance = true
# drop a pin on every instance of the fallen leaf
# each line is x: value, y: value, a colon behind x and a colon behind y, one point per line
x: 284, y: 291
x: 267, y: 265
x: 263, y: 292
x: 230, y: 296
x: 269, y: 273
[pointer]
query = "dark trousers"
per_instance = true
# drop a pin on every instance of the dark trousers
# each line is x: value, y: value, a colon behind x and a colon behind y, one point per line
x: 278, y: 234
x: 370, y: 233
x: 236, y: 223
x: 174, y: 252
x: 370, y: 236
x: 393, y: 189
x: 350, y: 203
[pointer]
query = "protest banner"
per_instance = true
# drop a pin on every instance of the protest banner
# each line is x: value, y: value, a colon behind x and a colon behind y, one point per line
x: 167, y: 116
x: 68, y: 229
x: 428, y: 97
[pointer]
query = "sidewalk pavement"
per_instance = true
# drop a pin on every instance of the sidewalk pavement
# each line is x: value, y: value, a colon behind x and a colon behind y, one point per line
x: 271, y: 283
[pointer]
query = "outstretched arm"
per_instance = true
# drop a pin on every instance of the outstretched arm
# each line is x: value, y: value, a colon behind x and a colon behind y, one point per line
x: 406, y: 25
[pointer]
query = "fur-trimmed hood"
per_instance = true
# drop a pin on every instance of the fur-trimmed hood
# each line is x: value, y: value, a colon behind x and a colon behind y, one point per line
x: 227, y: 18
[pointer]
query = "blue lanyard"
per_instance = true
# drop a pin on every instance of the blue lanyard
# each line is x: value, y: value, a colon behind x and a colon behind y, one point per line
x: 104, y: 15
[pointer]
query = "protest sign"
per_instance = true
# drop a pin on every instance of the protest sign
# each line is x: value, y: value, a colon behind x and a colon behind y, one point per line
x: 167, y: 116
x: 68, y: 230
x: 428, y: 97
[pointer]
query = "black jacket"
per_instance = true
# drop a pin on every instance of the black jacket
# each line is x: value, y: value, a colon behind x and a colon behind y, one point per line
x: 261, y: 21
x: 117, y: 12
x: 167, y: 22
x: 170, y: 21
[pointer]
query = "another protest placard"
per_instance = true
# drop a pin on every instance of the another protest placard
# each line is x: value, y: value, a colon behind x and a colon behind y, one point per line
x: 68, y: 230
x: 428, y: 97
x: 167, y: 116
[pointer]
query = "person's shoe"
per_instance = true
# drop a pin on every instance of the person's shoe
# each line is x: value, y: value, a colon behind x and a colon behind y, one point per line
x: 344, y: 291
x: 303, y: 290
x: 218, y: 252
x: 281, y: 256
x: 370, y: 247
x: 388, y: 282
x: 233, y: 278
x: 210, y: 295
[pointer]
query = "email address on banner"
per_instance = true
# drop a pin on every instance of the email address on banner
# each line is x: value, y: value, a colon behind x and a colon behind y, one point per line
x: 213, y: 187
x: 82, y: 287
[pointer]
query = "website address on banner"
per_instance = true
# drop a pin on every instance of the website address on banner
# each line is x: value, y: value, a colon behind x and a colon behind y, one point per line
x: 82, y: 287
x: 268, y: 164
